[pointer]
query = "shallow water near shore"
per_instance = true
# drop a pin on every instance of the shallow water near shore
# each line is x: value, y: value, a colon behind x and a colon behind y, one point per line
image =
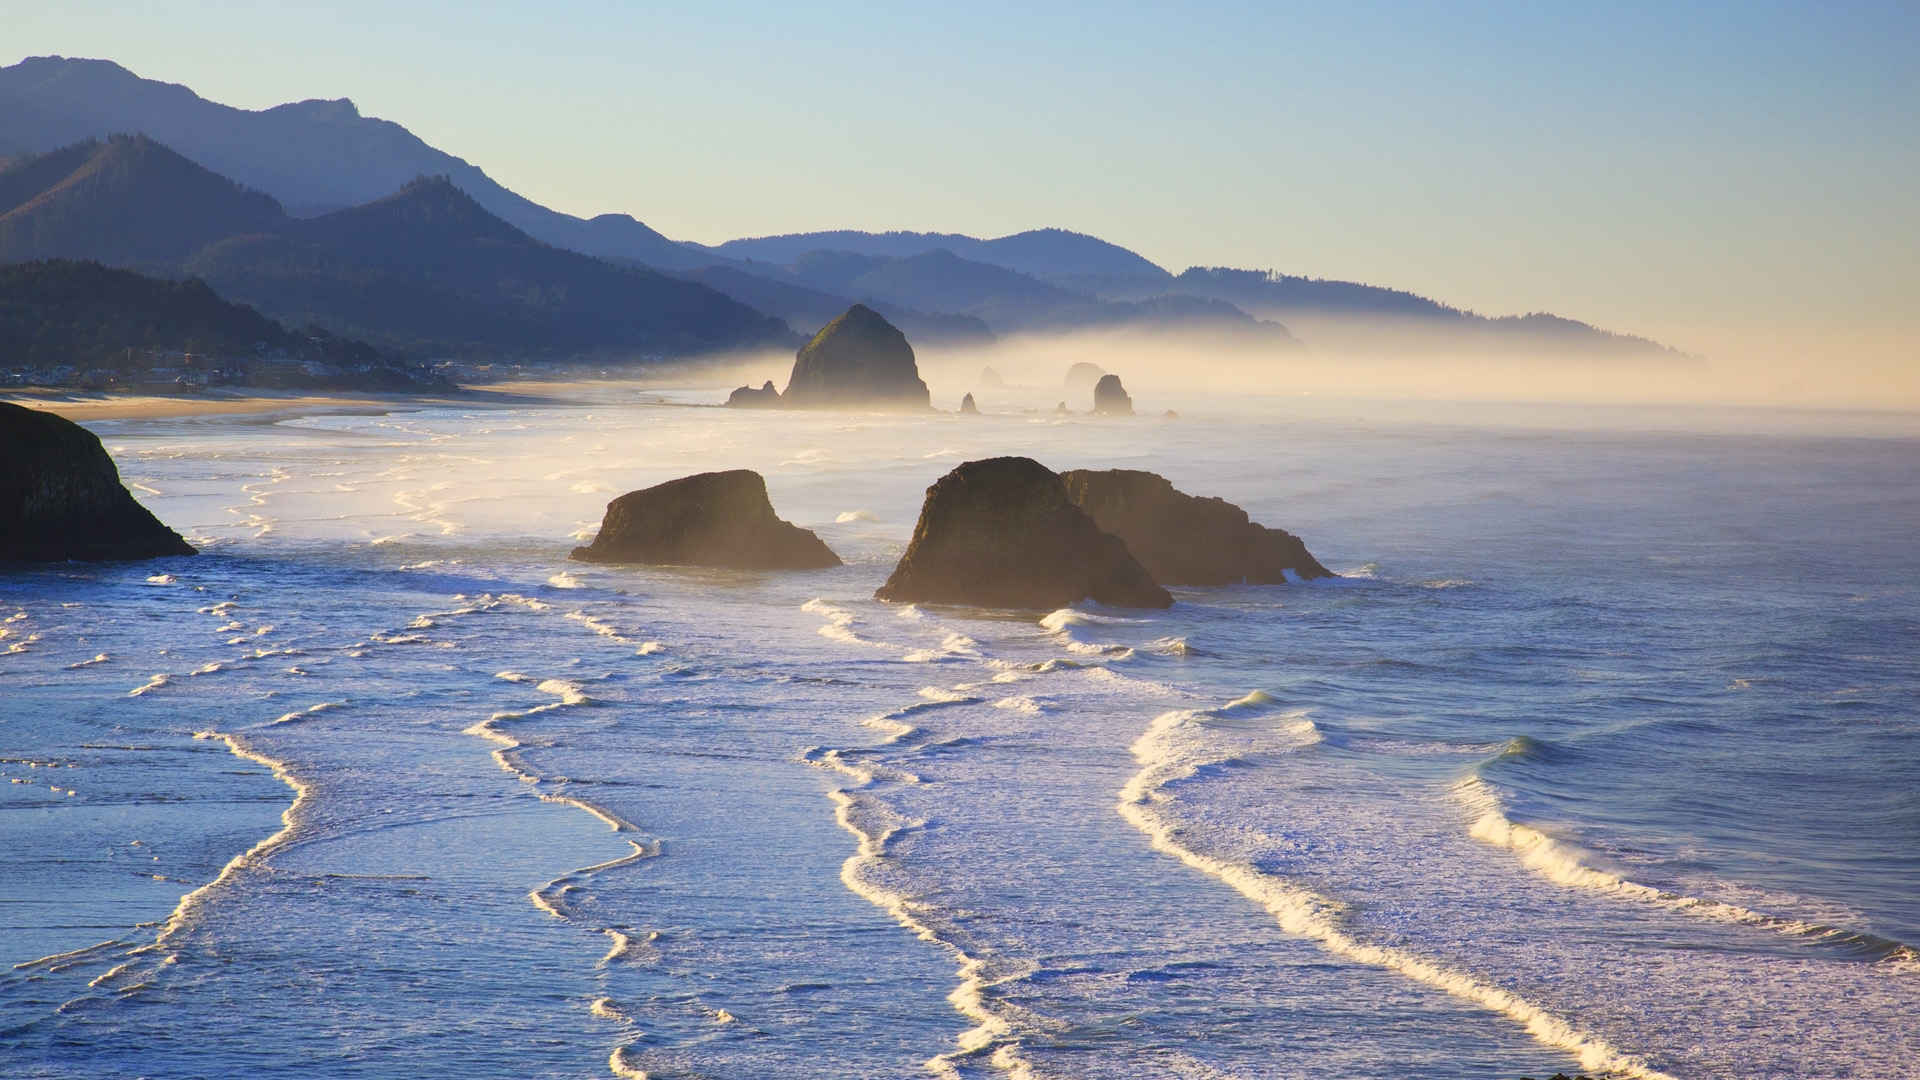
x: 1601, y: 755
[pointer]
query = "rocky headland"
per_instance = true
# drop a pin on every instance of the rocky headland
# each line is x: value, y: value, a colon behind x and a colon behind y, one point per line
x: 1002, y: 533
x: 709, y: 519
x: 1186, y: 539
x: 61, y: 496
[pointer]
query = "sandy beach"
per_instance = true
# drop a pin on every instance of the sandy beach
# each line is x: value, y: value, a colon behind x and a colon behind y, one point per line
x: 82, y: 406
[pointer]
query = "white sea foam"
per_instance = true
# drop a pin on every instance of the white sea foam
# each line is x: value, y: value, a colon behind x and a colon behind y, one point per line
x: 874, y: 827
x: 97, y: 658
x: 130, y: 974
x: 159, y: 680
x: 303, y: 714
x: 564, y: 580
x: 847, y: 517
x: 1567, y: 865
x: 162, y: 579
x: 1175, y: 748
x: 840, y: 624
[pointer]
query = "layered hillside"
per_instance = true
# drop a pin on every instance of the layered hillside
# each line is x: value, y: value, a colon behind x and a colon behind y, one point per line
x: 313, y: 156
x: 427, y: 269
x: 126, y: 200
x: 61, y: 319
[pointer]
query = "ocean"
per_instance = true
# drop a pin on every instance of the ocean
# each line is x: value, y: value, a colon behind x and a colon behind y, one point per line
x: 1602, y: 755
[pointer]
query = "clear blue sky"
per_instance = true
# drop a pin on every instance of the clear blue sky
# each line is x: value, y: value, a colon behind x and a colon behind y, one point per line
x: 1722, y: 176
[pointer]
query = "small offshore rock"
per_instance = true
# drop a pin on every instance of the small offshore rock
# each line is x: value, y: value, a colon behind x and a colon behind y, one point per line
x: 967, y: 407
x: 746, y: 397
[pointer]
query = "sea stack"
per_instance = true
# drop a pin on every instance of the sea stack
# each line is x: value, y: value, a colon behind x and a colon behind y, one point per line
x: 1082, y: 376
x: 990, y: 379
x: 1110, y: 398
x: 1002, y: 533
x: 61, y: 497
x: 967, y: 407
x: 857, y: 360
x: 709, y: 519
x: 1185, y: 539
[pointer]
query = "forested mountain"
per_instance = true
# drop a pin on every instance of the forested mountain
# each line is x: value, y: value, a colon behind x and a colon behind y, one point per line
x: 127, y: 200
x: 427, y: 270
x: 63, y: 321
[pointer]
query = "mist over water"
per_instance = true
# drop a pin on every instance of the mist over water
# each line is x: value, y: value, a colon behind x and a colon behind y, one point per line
x: 1601, y: 755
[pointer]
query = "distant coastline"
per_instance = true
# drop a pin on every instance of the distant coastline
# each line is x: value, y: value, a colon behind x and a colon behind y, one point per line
x: 85, y: 406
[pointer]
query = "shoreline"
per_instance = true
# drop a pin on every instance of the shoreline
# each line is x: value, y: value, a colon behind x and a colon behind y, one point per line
x: 84, y: 406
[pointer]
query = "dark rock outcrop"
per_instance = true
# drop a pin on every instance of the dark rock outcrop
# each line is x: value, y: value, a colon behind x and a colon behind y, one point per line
x: 1062, y: 410
x: 967, y: 407
x: 1082, y: 376
x: 746, y: 397
x: 1002, y: 533
x: 1185, y: 539
x: 61, y: 497
x: 709, y: 519
x: 860, y: 360
x: 1110, y: 398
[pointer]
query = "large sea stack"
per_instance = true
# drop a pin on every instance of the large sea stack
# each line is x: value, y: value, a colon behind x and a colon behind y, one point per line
x: 858, y: 360
x: 1186, y: 539
x: 710, y: 519
x: 1002, y: 533
x: 1110, y: 398
x: 61, y: 498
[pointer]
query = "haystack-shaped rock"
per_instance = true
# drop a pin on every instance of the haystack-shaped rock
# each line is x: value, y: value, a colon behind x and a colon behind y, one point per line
x: 967, y: 407
x: 990, y: 379
x: 746, y: 397
x: 61, y: 497
x: 1110, y: 398
x: 1002, y: 533
x: 710, y: 519
x: 1185, y: 539
x: 857, y: 360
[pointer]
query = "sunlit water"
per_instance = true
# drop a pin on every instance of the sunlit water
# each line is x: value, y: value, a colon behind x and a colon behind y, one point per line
x: 1602, y: 755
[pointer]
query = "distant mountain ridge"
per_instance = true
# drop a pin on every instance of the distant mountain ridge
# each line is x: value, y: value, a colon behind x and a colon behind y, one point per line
x: 322, y: 155
x: 425, y: 269
x: 313, y: 156
x: 1042, y: 253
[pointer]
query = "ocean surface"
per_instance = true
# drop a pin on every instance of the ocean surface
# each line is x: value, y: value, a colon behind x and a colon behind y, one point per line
x: 1602, y: 755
